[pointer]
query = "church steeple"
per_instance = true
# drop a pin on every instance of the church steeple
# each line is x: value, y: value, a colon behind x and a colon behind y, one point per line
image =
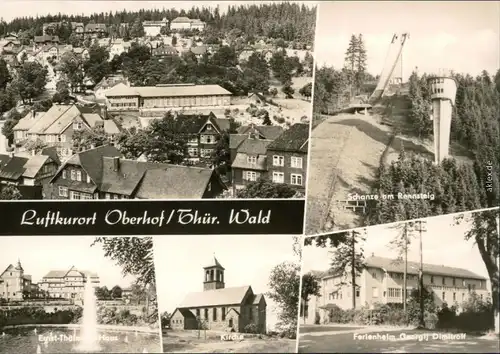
x: 18, y: 266
x: 213, y: 275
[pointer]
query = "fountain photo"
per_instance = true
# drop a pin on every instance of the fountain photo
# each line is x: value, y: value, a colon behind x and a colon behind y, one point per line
x: 70, y: 294
x: 228, y: 294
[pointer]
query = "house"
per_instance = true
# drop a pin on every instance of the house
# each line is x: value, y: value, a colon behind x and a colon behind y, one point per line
x: 220, y: 308
x: 199, y: 51
x: 47, y: 52
x: 245, y: 55
x: 117, y: 47
x: 67, y: 284
x: 77, y: 28
x: 153, y: 28
x: 24, y: 169
x: 82, y: 52
x: 101, y: 173
x: 164, y: 51
x: 382, y: 281
x: 95, y: 29
x: 250, y: 161
x: 107, y: 83
x: 46, y: 39
x: 202, y: 133
x: 7, y: 46
x: 56, y: 127
x: 15, y: 285
x: 266, y: 132
x: 287, y: 157
x: 184, y: 23
x: 161, y: 97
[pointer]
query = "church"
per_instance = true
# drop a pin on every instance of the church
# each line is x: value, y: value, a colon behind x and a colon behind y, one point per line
x: 219, y: 308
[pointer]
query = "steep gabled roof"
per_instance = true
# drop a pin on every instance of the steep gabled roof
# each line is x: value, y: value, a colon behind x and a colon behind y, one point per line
x: 295, y: 139
x: 270, y: 132
x: 214, y: 263
x: 13, y: 168
x: 91, y: 161
x: 219, y: 297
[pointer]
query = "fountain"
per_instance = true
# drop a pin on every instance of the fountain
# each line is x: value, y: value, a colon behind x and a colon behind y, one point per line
x: 38, y: 350
x: 89, y: 335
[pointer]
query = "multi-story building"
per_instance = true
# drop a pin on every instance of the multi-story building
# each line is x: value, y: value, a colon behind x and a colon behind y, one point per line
x: 24, y: 169
x: 382, y: 281
x: 165, y: 51
x: 159, y: 98
x: 218, y: 307
x: 287, y: 157
x: 184, y: 23
x: 101, y: 173
x: 15, y: 285
x: 153, y: 28
x: 250, y: 162
x: 95, y: 30
x: 67, y: 284
x: 45, y: 39
x: 56, y: 127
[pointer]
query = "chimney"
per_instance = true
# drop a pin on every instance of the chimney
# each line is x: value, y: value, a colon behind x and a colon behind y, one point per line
x: 116, y: 163
x: 33, y: 114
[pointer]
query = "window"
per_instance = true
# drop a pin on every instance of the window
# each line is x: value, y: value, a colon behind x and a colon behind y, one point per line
x: 395, y: 293
x: 432, y: 279
x: 443, y: 282
x: 73, y: 175
x: 278, y: 160
x: 107, y: 196
x: 214, y: 314
x: 74, y: 195
x: 278, y: 177
x: 116, y: 196
x: 77, y: 125
x: 444, y: 296
x: 193, y: 152
x: 63, y: 191
x: 357, y: 293
x: 198, y: 313
x: 296, y: 180
x: 193, y: 140
x: 250, y: 176
x: 88, y: 179
x: 64, y: 174
x: 453, y: 281
x: 250, y: 314
x: 374, y: 275
x: 223, y: 314
x: 374, y: 292
x: 454, y: 296
x: 209, y: 126
x: 206, y: 314
x: 252, y: 159
x: 296, y: 162
x: 79, y: 176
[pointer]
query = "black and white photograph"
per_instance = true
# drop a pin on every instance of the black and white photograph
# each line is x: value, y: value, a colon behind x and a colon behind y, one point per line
x: 353, y: 289
x: 155, y: 100
x: 78, y: 294
x: 405, y: 122
x: 228, y: 294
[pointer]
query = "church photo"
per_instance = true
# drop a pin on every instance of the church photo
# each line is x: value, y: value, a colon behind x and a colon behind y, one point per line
x: 224, y: 293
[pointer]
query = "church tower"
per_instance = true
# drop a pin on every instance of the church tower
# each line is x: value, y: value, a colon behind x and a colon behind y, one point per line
x: 213, y: 276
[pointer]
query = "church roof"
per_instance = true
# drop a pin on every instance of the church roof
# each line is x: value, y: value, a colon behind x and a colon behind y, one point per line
x: 214, y: 263
x: 219, y: 297
x: 19, y: 266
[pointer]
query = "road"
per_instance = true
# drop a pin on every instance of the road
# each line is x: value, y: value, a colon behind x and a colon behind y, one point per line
x: 357, y: 340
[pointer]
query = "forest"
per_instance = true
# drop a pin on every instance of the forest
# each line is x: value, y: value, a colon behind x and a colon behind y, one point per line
x: 288, y: 21
x: 458, y: 186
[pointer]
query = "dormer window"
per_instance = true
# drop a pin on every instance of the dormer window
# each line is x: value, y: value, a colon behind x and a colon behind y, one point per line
x: 77, y: 125
x: 252, y: 160
x: 209, y: 126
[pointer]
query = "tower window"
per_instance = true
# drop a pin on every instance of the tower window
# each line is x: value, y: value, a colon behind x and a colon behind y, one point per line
x: 198, y: 313
x: 206, y: 314
x: 214, y: 314
x: 223, y: 314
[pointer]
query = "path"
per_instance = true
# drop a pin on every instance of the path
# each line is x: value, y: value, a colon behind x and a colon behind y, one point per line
x: 393, y: 340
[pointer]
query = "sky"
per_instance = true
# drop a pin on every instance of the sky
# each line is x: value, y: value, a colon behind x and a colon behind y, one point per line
x: 450, y: 35
x: 41, y: 254
x: 17, y: 8
x: 248, y: 260
x: 442, y: 244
